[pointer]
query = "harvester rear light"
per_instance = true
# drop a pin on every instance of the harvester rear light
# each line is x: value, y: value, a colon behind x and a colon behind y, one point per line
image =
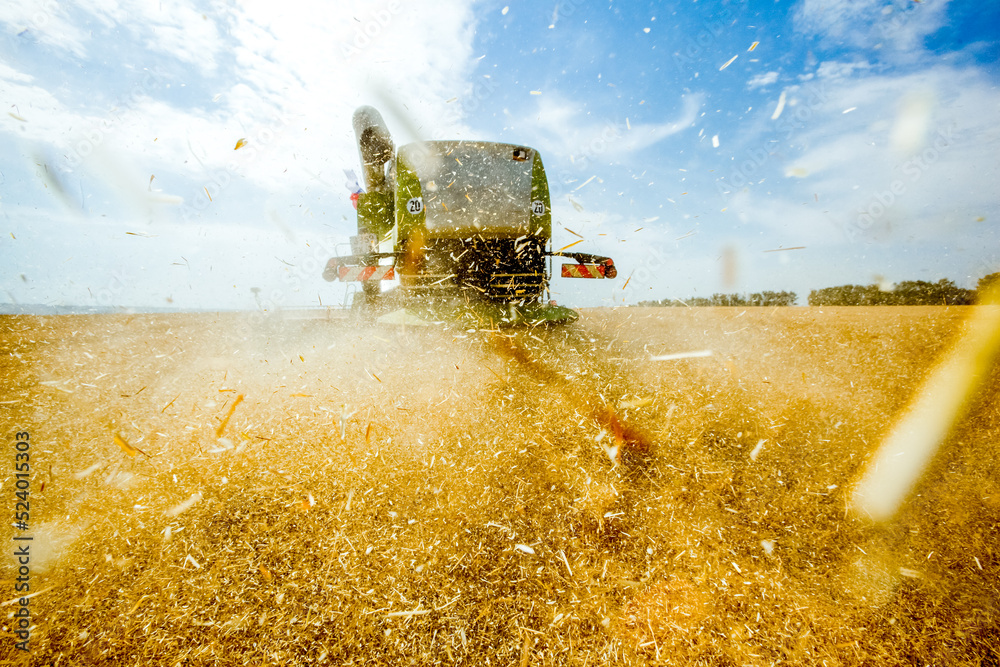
x: 331, y: 271
x: 605, y: 269
x: 363, y: 273
x: 609, y: 268
x: 336, y: 269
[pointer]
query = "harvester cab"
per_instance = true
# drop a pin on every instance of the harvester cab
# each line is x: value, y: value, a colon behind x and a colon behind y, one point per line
x: 465, y: 226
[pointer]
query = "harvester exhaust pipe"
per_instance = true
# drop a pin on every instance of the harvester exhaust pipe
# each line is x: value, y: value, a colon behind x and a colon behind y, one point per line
x: 374, y: 144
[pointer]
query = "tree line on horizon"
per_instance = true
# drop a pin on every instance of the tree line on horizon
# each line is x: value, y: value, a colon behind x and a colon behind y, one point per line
x: 766, y: 298
x: 906, y: 293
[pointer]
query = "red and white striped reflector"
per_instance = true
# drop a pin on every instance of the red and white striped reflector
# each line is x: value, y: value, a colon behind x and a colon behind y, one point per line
x: 583, y: 270
x: 363, y: 273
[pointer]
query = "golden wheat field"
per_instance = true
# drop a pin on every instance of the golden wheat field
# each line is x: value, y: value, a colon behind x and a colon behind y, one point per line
x: 236, y: 489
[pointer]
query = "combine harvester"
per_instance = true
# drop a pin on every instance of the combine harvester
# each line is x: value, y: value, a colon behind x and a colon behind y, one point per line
x: 466, y: 227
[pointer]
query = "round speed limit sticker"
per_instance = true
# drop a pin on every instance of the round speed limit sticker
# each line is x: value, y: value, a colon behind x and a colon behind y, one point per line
x: 415, y: 206
x: 538, y: 207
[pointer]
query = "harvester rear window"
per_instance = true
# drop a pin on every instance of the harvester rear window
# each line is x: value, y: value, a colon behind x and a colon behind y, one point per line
x: 474, y: 187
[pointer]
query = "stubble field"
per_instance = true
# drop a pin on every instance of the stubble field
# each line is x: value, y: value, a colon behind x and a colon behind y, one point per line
x: 232, y: 489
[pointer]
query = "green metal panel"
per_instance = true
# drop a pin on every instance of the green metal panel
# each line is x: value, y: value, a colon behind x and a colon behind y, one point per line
x: 411, y: 206
x: 541, y: 224
x: 407, y: 190
x: 375, y: 213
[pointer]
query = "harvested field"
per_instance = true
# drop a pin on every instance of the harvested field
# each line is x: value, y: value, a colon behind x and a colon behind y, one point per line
x: 245, y: 490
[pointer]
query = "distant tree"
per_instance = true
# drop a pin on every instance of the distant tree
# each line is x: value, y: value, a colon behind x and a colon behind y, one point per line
x: 769, y: 298
x: 904, y: 293
x: 728, y: 300
x: 951, y: 294
x: 785, y: 299
x: 985, y: 283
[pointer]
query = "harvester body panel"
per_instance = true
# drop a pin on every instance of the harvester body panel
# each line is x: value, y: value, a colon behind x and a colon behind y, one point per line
x: 472, y: 215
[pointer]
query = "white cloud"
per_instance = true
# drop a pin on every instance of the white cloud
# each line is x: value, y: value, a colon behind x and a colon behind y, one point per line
x: 45, y: 21
x: 762, y: 80
x: 644, y: 135
x: 560, y: 126
x: 177, y: 29
x: 44, y: 115
x: 291, y: 75
x: 898, y: 27
x: 855, y: 175
x: 8, y: 73
x: 840, y: 70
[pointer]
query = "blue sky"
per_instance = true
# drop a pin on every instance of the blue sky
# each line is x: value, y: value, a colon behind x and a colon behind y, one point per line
x: 862, y: 133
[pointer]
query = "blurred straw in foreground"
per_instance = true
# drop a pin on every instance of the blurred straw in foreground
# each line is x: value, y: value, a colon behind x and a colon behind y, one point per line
x: 941, y: 402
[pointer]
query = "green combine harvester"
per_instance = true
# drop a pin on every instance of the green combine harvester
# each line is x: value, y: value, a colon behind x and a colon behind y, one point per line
x: 466, y: 227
